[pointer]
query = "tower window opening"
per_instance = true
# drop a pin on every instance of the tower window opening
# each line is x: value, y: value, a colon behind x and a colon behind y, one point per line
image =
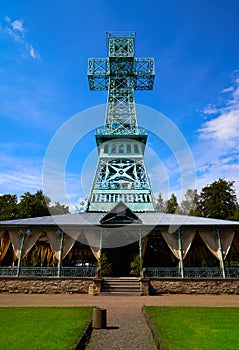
x: 106, y: 148
x: 136, y: 148
x: 128, y: 150
x: 113, y: 149
x: 121, y: 148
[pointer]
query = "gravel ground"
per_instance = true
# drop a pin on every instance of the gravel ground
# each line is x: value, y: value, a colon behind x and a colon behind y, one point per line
x: 126, y: 327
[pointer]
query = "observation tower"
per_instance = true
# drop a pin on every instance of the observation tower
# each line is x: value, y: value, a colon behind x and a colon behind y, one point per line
x: 121, y: 175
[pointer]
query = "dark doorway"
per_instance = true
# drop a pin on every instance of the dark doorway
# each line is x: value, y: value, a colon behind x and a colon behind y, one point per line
x: 121, y: 258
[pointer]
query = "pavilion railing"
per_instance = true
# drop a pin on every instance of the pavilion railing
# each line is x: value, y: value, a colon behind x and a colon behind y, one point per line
x: 190, y: 272
x: 71, y: 272
x: 90, y: 271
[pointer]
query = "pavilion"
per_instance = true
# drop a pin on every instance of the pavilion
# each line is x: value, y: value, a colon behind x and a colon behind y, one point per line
x: 168, y: 245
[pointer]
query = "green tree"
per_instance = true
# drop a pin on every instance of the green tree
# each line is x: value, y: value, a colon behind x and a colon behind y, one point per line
x: 58, y: 209
x: 171, y: 204
x: 32, y: 205
x: 105, y: 266
x: 218, y: 200
x: 190, y: 205
x: 160, y: 204
x: 8, y: 206
x: 135, y: 266
x: 235, y: 215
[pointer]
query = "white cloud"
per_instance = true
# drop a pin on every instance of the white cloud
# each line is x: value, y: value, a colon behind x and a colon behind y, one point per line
x: 15, y: 36
x: 224, y: 127
x: 209, y: 110
x: 229, y: 89
x: 217, y: 152
x: 33, y: 53
x: 16, y: 30
x: 18, y: 25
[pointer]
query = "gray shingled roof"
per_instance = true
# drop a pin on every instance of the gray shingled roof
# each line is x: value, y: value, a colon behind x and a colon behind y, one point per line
x: 147, y: 218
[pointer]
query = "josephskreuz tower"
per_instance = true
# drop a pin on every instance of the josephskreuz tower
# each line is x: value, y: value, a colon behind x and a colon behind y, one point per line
x: 121, y: 174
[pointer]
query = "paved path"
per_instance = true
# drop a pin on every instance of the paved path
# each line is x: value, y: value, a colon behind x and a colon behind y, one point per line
x: 127, y: 329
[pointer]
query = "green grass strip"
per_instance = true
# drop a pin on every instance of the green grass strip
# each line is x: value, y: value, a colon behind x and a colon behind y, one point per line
x: 196, y: 328
x: 42, y: 328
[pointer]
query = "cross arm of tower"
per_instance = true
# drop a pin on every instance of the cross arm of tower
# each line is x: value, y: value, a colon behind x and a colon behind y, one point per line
x: 101, y: 69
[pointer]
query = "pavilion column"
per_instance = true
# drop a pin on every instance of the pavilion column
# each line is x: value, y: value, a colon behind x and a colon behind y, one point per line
x: 101, y: 242
x: 221, y: 253
x: 140, y: 251
x: 24, y: 233
x: 20, y: 253
x: 60, y: 253
x: 180, y: 253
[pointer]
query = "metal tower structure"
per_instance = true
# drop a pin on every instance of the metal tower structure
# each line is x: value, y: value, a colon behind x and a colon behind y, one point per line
x: 121, y: 173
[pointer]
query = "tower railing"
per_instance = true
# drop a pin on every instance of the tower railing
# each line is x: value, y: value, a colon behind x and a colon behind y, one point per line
x: 106, y: 131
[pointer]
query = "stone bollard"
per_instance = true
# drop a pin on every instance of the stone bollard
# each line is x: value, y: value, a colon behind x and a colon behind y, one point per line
x: 99, y: 318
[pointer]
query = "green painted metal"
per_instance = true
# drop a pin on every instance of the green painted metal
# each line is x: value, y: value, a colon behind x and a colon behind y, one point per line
x: 150, y: 272
x: 20, y: 253
x: 45, y: 272
x: 121, y: 173
x: 180, y: 253
x: 221, y: 253
x: 140, y: 251
x: 190, y: 272
x: 59, y: 265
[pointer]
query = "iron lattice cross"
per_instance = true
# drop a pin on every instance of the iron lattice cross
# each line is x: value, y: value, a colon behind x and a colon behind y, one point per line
x: 121, y: 174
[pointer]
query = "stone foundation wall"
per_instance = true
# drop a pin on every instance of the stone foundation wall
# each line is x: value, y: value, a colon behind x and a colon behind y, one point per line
x: 92, y: 286
x: 45, y: 286
x: 193, y: 286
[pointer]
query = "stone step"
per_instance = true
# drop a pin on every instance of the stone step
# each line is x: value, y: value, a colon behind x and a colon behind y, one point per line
x: 120, y: 286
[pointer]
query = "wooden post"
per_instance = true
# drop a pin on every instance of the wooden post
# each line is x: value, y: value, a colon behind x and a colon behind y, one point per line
x: 221, y: 253
x: 180, y: 253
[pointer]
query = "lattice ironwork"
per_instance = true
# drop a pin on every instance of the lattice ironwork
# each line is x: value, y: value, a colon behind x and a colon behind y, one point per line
x: 150, y: 272
x: 73, y: 272
x: 118, y: 168
x: 191, y: 272
x: 121, y: 174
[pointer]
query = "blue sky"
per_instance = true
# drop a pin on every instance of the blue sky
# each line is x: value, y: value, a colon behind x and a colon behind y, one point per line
x: 43, y: 83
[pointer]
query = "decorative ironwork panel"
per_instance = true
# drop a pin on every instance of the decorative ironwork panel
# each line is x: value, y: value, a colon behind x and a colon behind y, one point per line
x: 77, y: 272
x: 120, y: 47
x: 190, y: 272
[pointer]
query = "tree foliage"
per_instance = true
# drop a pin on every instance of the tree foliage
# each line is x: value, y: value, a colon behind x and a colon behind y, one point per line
x: 58, y: 209
x: 105, y: 266
x: 218, y: 200
x: 160, y: 203
x: 8, y: 206
x: 190, y: 205
x: 32, y: 205
x: 171, y: 204
x: 29, y: 206
x: 235, y: 215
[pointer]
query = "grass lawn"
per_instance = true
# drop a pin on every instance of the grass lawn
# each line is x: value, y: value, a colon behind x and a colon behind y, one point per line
x: 42, y: 328
x: 206, y: 328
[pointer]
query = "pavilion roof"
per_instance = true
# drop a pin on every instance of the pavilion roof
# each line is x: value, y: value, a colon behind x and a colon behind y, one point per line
x: 92, y: 219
